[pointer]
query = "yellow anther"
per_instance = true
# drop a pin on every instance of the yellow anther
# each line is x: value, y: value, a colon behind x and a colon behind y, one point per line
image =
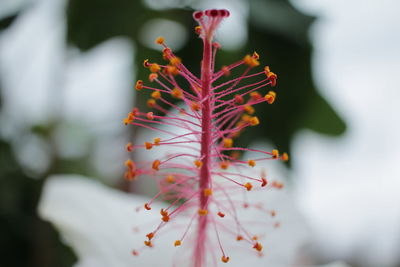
x: 254, y: 121
x: 155, y: 67
x: 156, y: 165
x: 160, y: 40
x: 249, y: 109
x: 150, y: 235
x: 227, y: 142
x: 150, y: 115
x: 198, y: 163
x: 170, y: 179
x: 156, y: 94
x: 246, y: 118
x: 197, y: 29
x: 171, y: 70
x: 177, y: 243
x: 139, y: 85
x: 224, y: 165
x: 251, y: 162
x: 175, y: 61
x: 195, y: 106
x: 251, y: 61
x: 148, y: 243
x: 207, y: 192
x: 285, y: 156
x: 148, y: 145
x: 226, y: 70
x: 129, y: 147
x: 202, y: 212
x: 258, y: 246
x: 275, y: 153
x: 127, y: 121
x: 153, y: 76
x: 157, y: 141
x: 256, y: 55
x: 266, y: 70
x: 224, y: 259
x: 248, y: 186
x: 151, y: 103
x: 270, y: 97
x: 177, y: 93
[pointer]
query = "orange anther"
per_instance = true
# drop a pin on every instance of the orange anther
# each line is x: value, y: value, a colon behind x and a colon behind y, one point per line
x: 255, y: 55
x: 156, y: 94
x: 155, y: 68
x: 224, y: 259
x: 273, y: 213
x: 270, y: 97
x: 150, y: 235
x: 255, y: 95
x: 157, y: 141
x: 147, y: 206
x: 254, y: 121
x: 148, y: 145
x: 207, y: 192
x: 170, y: 179
x: 275, y: 153
x: 165, y: 218
x: 175, y: 61
x: 177, y: 243
x: 197, y: 29
x: 198, y: 163
x: 239, y: 237
x: 227, y: 142
x: 195, y: 106
x: 238, y: 99
x: 130, y: 164
x: 159, y: 40
x: 202, y: 212
x: 163, y: 212
x: 285, y: 156
x: 226, y: 70
x: 254, y: 237
x: 171, y: 70
x: 258, y: 246
x: 224, y: 165
x: 249, y: 109
x: 251, y: 162
x: 129, y: 175
x: 177, y: 93
x: 139, y: 85
x: 153, y: 76
x: 251, y: 61
x: 221, y: 214
x: 150, y: 115
x: 148, y: 243
x: 277, y: 184
x: 129, y: 147
x: 248, y: 186
x: 156, y: 165
x: 151, y: 103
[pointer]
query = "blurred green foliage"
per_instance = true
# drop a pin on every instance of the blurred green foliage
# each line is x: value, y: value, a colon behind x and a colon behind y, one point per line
x: 277, y: 31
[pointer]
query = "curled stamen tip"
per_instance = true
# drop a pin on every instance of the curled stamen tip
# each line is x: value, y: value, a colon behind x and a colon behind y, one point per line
x: 275, y: 153
x: 224, y: 259
x: 198, y: 14
x: 221, y: 214
x: 258, y: 246
x: 264, y: 182
x: 147, y: 206
x: 139, y: 85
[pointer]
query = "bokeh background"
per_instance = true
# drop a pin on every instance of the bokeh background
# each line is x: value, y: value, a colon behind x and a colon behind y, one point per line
x: 67, y: 69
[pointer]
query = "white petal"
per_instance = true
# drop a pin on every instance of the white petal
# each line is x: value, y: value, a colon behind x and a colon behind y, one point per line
x: 98, y: 222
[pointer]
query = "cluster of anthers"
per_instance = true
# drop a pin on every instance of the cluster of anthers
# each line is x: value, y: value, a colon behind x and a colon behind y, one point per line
x: 212, y: 115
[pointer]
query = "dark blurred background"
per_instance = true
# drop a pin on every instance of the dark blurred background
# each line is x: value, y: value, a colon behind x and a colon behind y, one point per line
x: 67, y: 73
